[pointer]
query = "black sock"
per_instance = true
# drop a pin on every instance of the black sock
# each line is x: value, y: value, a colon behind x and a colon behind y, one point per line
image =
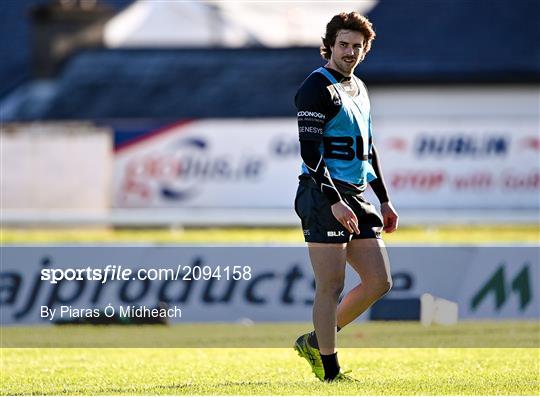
x: 312, y: 338
x: 331, y: 365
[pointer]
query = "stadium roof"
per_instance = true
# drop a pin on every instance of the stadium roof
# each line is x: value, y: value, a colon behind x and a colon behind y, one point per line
x: 228, y: 24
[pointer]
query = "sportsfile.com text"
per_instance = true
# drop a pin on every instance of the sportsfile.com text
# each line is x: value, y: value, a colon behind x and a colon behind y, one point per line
x: 122, y: 273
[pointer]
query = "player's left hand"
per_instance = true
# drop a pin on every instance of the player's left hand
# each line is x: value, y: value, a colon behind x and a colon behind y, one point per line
x: 390, y: 217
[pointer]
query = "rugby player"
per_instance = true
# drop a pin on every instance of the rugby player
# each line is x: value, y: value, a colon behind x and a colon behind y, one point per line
x: 339, y: 161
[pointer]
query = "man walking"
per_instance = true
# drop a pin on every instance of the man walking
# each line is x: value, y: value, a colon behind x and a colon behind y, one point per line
x: 339, y: 161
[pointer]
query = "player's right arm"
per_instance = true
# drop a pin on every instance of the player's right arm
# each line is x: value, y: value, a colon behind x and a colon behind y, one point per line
x: 314, y: 110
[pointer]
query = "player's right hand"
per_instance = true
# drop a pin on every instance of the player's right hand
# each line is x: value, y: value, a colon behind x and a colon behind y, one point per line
x: 345, y: 215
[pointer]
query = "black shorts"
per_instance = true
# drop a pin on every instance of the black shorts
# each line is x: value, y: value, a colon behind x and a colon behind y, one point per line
x: 320, y: 225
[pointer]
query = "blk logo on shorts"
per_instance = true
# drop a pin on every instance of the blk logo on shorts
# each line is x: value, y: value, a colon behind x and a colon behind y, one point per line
x: 306, y: 232
x: 332, y: 233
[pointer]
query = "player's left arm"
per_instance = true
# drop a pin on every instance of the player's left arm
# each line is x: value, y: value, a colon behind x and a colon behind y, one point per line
x: 389, y: 213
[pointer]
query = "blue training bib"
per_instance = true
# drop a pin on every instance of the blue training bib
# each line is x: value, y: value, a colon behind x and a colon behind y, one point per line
x: 346, y: 146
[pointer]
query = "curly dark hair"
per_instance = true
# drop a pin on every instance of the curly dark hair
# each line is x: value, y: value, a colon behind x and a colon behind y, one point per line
x: 349, y: 21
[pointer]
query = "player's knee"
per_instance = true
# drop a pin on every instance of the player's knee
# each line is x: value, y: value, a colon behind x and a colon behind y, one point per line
x: 383, y: 286
x: 331, y: 288
x: 388, y: 285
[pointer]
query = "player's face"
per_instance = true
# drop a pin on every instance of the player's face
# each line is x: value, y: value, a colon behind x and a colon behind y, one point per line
x: 347, y: 52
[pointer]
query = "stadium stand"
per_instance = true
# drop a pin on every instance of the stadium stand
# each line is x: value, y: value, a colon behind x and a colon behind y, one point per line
x: 15, y: 30
x: 190, y: 83
x: 419, y: 42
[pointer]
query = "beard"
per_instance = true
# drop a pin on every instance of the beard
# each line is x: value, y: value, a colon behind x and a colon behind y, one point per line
x: 347, y: 66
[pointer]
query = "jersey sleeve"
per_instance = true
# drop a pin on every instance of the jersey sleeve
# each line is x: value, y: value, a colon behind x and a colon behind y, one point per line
x: 313, y: 113
x: 312, y: 107
x: 378, y: 185
x: 313, y: 159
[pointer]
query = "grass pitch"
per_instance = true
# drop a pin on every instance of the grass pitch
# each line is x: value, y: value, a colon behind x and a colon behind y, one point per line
x: 467, y: 235
x: 267, y: 372
x: 374, y: 334
x: 272, y: 371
